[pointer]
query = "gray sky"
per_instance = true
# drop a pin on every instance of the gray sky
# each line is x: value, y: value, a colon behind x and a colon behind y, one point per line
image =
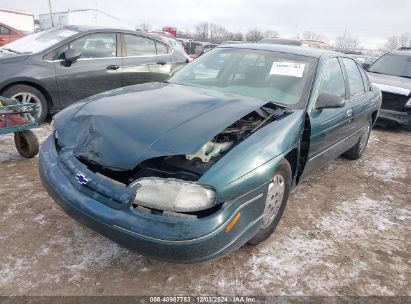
x: 372, y: 21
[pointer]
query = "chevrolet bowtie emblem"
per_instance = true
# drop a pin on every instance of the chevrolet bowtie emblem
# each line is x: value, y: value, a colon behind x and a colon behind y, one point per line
x: 81, y: 179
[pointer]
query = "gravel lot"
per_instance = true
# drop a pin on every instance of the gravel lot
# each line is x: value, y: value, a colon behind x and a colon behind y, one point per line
x: 346, y: 231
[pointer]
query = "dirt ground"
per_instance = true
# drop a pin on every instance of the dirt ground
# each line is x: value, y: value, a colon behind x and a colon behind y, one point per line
x: 346, y: 231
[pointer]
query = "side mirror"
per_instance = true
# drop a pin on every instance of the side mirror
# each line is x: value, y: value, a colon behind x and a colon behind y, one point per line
x: 366, y: 66
x: 71, y: 55
x: 327, y: 101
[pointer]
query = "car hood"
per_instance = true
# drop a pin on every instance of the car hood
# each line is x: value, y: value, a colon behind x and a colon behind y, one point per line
x: 6, y: 57
x: 121, y: 128
x: 392, y: 84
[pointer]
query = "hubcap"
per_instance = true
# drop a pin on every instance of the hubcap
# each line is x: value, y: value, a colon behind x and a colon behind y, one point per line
x: 25, y: 97
x: 364, y: 138
x: 275, y: 195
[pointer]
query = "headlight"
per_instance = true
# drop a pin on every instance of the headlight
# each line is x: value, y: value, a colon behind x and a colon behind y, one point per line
x: 173, y: 195
x: 408, y: 104
x: 53, y: 129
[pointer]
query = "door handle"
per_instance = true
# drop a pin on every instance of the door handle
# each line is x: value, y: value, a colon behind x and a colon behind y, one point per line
x: 348, y: 113
x: 161, y: 62
x: 113, y: 67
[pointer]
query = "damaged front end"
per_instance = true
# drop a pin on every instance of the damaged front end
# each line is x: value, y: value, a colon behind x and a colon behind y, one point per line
x: 167, y: 185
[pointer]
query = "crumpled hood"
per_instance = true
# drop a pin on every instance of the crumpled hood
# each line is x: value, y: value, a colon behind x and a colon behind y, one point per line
x: 121, y: 128
x: 392, y: 84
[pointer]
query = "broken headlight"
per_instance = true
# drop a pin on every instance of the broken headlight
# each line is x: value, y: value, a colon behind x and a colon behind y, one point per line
x: 173, y: 195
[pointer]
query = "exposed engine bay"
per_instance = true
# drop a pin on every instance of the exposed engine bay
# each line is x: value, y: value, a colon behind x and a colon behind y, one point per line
x: 191, y: 167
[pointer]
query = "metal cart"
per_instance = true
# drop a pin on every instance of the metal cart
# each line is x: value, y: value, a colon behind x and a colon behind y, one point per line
x: 19, y: 118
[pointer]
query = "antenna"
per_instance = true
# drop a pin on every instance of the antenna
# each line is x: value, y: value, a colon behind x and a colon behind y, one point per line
x: 51, y: 14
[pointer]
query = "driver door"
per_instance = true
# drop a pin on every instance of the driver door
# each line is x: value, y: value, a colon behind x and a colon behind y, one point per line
x: 97, y: 70
x: 329, y: 127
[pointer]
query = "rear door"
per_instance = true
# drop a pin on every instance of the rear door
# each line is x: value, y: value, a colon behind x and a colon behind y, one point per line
x: 360, y: 95
x: 144, y: 60
x: 97, y: 70
x: 328, y: 126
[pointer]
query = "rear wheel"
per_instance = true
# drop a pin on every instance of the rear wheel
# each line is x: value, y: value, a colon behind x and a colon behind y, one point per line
x: 276, y: 200
x: 27, y: 94
x: 26, y: 143
x: 358, y: 150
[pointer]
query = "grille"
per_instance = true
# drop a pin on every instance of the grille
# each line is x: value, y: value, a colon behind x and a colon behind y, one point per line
x: 393, y: 102
x: 99, y: 188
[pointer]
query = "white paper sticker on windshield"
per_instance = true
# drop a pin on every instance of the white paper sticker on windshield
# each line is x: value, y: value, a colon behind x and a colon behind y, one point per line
x: 293, y: 69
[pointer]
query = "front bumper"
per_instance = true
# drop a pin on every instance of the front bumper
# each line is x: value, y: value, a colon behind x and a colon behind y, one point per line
x: 390, y: 116
x: 161, y: 237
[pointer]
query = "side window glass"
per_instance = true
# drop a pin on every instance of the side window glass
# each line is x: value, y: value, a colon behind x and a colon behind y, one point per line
x: 332, y: 79
x: 4, y: 30
x: 162, y: 49
x: 100, y: 45
x: 354, y: 77
x: 365, y: 80
x: 139, y: 46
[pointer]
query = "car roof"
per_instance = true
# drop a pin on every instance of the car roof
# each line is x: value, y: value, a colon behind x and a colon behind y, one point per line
x: 402, y: 52
x: 91, y: 29
x: 86, y: 28
x: 290, y: 49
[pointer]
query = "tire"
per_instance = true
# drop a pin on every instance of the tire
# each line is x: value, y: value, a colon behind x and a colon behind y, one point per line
x: 358, y: 150
x: 25, y: 93
x: 26, y: 143
x: 274, y: 208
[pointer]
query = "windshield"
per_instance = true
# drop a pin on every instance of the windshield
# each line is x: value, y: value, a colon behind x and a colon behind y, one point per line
x: 272, y: 76
x: 40, y: 41
x: 392, y: 64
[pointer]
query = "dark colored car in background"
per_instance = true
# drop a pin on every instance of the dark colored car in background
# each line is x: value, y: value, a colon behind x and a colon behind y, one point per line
x: 201, y: 49
x: 9, y: 34
x: 193, y: 168
x: 60, y: 66
x: 392, y: 74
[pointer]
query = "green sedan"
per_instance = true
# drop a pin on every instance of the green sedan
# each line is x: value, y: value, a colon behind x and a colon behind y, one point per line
x: 191, y: 169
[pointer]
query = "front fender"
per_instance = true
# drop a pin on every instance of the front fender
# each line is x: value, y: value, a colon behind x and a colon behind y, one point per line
x: 252, y: 162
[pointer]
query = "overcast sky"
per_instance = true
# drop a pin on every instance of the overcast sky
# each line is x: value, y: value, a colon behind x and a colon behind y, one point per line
x: 372, y: 21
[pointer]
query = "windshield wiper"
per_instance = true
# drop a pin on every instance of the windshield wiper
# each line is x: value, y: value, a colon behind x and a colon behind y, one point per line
x: 281, y: 105
x: 405, y: 76
x: 10, y: 50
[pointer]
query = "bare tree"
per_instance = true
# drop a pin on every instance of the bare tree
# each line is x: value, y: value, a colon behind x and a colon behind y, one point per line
x: 347, y: 42
x: 184, y: 34
x: 310, y: 35
x: 145, y: 26
x: 271, y: 34
x: 218, y: 33
x: 405, y: 40
x: 201, y: 31
x: 238, y: 36
x: 391, y: 44
x: 254, y: 35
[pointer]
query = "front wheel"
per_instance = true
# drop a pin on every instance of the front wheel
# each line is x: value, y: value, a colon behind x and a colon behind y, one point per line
x: 358, y: 150
x: 27, y: 94
x: 276, y: 200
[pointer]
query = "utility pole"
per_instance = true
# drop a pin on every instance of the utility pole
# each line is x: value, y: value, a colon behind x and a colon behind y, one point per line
x: 51, y: 14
